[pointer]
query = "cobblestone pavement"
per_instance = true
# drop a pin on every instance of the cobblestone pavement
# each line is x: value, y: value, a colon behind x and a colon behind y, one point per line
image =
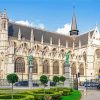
x: 91, y: 95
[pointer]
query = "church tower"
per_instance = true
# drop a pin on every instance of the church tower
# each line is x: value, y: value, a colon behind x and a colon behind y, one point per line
x: 74, y: 31
x: 3, y: 31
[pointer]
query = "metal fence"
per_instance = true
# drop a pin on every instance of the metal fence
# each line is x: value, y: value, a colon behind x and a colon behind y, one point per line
x: 4, y: 82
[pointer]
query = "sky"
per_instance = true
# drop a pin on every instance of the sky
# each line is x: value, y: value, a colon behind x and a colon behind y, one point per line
x: 53, y: 15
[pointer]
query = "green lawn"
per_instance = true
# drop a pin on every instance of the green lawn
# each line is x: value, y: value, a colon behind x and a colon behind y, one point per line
x: 76, y: 95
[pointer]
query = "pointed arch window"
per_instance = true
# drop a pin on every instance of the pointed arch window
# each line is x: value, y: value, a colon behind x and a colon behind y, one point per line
x: 81, y: 69
x: 35, y: 67
x: 19, y: 65
x: 56, y: 67
x: 73, y: 69
x: 46, y: 67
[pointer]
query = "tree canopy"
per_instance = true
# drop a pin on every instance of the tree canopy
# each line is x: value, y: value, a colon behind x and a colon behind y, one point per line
x: 12, y: 78
x: 44, y: 79
x: 55, y: 79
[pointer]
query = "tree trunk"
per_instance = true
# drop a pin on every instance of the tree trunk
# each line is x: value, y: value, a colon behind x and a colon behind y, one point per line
x: 44, y: 92
x: 12, y: 91
x: 12, y: 87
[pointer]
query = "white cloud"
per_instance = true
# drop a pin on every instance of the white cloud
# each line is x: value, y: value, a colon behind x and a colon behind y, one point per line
x: 27, y: 23
x: 41, y: 26
x: 65, y: 29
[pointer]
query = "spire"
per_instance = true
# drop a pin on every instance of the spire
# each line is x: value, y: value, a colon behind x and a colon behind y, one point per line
x: 74, y: 24
x: 0, y: 21
x: 0, y: 14
x: 79, y: 44
x: 89, y: 35
x: 5, y: 14
x: 50, y: 40
x: 74, y: 30
x: 73, y: 45
x: 66, y: 44
x: 32, y: 36
x: 59, y: 42
x: 42, y: 39
x: 19, y: 34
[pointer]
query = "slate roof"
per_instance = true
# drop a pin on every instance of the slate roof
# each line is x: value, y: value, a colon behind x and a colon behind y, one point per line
x: 13, y: 29
x: 83, y: 38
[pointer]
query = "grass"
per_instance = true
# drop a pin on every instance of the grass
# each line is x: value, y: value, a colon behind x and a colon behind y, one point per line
x: 76, y: 95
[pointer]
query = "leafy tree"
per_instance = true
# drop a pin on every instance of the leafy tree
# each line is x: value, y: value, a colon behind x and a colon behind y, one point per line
x: 62, y: 79
x: 12, y: 78
x: 44, y: 79
x: 56, y: 79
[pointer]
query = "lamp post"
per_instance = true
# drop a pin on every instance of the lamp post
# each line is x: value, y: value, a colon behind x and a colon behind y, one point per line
x: 22, y: 71
x: 30, y: 60
x: 85, y: 58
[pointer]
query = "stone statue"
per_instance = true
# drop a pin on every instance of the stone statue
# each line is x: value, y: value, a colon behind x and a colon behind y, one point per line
x: 30, y: 60
x: 67, y: 57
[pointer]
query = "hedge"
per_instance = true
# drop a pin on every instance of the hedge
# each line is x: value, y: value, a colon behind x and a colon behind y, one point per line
x: 17, y: 97
x: 38, y: 94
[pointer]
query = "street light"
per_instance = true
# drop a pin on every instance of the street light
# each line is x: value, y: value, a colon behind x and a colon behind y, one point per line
x: 22, y: 70
x: 85, y: 58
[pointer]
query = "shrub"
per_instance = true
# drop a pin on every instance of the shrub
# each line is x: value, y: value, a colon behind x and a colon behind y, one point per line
x: 12, y: 78
x: 62, y: 79
x: 44, y: 79
x: 56, y: 79
x: 17, y: 96
x: 66, y: 92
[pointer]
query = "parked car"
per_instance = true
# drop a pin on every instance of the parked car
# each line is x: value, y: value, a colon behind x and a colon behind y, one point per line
x: 86, y: 84
x: 52, y: 83
x: 98, y: 86
x: 21, y: 83
x: 93, y: 84
x: 25, y: 83
x: 90, y: 84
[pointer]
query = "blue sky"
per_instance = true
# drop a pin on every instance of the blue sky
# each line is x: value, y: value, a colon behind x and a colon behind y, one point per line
x: 54, y: 14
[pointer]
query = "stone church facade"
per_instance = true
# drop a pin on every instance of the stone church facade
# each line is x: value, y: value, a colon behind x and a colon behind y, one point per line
x: 48, y: 49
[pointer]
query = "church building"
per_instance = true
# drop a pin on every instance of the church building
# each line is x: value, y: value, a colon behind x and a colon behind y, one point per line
x: 48, y: 49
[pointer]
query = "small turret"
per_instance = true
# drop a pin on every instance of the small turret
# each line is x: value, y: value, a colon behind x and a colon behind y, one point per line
x: 5, y: 14
x: 79, y: 44
x: 0, y: 21
x: 19, y: 34
x: 50, y: 40
x: 73, y: 45
x: 32, y: 36
x: 59, y: 42
x: 42, y: 39
x: 66, y: 44
x: 4, y: 21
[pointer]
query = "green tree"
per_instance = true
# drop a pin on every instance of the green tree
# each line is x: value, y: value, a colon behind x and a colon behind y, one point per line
x: 44, y: 81
x: 62, y: 79
x: 12, y: 78
x: 56, y: 80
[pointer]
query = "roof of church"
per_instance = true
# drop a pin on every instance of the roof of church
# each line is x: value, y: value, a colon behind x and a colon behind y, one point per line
x: 83, y: 38
x: 26, y: 33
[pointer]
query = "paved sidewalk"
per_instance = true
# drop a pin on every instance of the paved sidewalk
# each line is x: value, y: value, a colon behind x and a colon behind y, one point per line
x: 91, y: 95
